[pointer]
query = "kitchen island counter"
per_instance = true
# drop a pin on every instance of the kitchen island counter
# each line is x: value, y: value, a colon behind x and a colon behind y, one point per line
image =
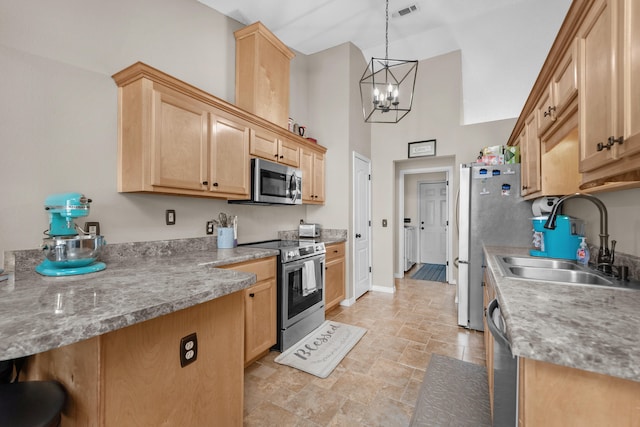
x: 594, y: 329
x: 142, y: 281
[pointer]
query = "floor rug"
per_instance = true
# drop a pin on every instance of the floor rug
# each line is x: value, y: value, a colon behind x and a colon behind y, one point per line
x: 433, y: 272
x: 322, y: 350
x: 453, y: 393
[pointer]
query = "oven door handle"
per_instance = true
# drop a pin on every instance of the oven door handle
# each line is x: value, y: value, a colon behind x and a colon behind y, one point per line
x: 495, y: 331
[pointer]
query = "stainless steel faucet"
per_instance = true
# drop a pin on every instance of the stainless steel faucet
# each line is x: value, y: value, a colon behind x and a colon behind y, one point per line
x: 605, y: 257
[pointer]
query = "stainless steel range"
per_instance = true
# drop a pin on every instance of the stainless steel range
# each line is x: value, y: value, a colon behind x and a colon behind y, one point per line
x: 300, y: 288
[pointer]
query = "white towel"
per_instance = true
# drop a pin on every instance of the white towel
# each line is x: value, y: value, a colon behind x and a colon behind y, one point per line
x: 308, y: 278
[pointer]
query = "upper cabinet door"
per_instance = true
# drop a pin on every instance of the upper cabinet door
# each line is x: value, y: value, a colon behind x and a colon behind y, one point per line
x: 631, y: 80
x: 179, y: 141
x: 263, y: 144
x: 289, y: 153
x: 229, y: 157
x: 598, y: 84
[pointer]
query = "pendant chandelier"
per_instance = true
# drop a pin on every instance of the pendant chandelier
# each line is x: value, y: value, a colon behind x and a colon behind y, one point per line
x: 383, y: 101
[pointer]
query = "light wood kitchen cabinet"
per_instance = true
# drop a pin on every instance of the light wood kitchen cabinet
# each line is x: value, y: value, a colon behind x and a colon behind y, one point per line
x: 312, y: 164
x: 588, y: 88
x: 229, y: 172
x: 174, y: 138
x: 553, y: 395
x: 335, y: 275
x: 262, y: 74
x: 133, y: 376
x: 530, y: 152
x: 609, y: 89
x: 172, y: 142
x: 557, y: 103
x: 260, y: 308
x: 269, y: 146
x: 180, y: 142
x: 598, y: 105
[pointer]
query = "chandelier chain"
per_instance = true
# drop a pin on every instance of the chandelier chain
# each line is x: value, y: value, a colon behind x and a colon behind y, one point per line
x: 386, y: 33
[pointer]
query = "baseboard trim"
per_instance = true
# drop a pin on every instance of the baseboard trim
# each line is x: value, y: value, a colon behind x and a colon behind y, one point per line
x: 385, y: 289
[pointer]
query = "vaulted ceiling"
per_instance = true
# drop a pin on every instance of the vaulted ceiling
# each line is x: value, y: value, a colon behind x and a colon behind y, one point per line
x: 499, y: 39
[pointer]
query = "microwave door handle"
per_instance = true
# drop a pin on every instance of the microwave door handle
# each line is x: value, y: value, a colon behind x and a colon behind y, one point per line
x: 293, y: 187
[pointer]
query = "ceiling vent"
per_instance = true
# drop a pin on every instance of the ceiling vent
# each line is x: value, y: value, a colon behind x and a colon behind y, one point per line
x: 405, y: 11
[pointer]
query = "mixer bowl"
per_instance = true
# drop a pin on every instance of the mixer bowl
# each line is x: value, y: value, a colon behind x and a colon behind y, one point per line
x: 72, y: 251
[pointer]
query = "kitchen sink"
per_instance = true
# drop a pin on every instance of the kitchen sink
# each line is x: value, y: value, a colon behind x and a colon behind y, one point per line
x: 560, y: 275
x: 559, y: 271
x: 540, y: 262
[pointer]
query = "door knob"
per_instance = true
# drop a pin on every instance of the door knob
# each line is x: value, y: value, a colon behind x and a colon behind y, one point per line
x: 252, y: 295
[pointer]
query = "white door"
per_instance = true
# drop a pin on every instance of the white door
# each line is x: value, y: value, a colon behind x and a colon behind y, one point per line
x: 361, y: 224
x: 433, y: 222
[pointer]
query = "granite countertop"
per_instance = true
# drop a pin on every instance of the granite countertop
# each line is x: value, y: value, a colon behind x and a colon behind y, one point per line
x: 142, y: 281
x: 595, y: 329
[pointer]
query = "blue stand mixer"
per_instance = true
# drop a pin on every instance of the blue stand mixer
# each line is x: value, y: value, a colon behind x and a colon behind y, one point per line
x: 66, y: 251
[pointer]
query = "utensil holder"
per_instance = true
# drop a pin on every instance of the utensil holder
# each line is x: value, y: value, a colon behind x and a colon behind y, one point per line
x: 225, y: 238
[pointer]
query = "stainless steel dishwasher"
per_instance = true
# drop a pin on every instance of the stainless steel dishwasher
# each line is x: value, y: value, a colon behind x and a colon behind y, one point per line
x: 505, y: 371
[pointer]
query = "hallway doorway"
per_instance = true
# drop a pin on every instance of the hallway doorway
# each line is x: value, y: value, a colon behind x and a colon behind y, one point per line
x: 425, y: 203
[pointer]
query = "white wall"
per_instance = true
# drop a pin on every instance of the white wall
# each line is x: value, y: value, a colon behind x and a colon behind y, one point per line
x: 624, y: 222
x: 436, y: 114
x: 336, y: 113
x: 58, y: 111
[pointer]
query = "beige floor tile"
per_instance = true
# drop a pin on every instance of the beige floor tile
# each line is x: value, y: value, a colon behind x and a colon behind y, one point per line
x: 378, y: 382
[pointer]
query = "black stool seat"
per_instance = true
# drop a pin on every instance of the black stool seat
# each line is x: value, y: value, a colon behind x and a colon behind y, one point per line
x: 31, y: 404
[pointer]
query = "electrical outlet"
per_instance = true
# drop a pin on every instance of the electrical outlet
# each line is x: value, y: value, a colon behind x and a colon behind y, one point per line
x: 209, y: 227
x: 92, y: 228
x: 188, y: 349
x: 170, y: 216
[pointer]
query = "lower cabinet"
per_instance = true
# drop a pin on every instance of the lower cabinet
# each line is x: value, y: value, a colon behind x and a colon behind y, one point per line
x: 335, y: 274
x: 133, y: 376
x: 260, y: 308
x: 553, y: 395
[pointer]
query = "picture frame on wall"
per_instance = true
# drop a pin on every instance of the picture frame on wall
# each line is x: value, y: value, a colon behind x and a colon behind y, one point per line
x: 422, y: 148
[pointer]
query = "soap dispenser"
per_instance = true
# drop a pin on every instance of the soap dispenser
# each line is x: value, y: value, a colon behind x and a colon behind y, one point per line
x: 582, y: 254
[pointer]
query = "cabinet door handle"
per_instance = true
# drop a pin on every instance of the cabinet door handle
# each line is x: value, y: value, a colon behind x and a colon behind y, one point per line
x: 252, y: 295
x: 205, y: 182
x: 357, y: 237
x: 282, y: 157
x: 610, y: 143
x: 215, y: 184
x: 549, y: 111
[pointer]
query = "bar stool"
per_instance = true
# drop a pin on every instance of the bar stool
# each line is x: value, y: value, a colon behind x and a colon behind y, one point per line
x: 31, y: 404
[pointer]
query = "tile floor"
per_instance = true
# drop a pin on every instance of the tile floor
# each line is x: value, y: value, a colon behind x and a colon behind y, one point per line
x: 377, y: 383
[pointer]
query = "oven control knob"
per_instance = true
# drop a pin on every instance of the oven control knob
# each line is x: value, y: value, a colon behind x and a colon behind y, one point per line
x: 291, y: 254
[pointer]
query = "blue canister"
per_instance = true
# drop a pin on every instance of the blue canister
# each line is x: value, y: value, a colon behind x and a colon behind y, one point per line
x: 561, y: 242
x: 225, y: 238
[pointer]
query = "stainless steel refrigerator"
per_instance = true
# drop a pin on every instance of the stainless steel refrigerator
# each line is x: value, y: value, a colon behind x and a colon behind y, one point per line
x: 491, y: 212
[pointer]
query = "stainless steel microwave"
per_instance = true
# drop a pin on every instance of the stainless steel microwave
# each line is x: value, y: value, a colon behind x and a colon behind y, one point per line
x: 273, y: 183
